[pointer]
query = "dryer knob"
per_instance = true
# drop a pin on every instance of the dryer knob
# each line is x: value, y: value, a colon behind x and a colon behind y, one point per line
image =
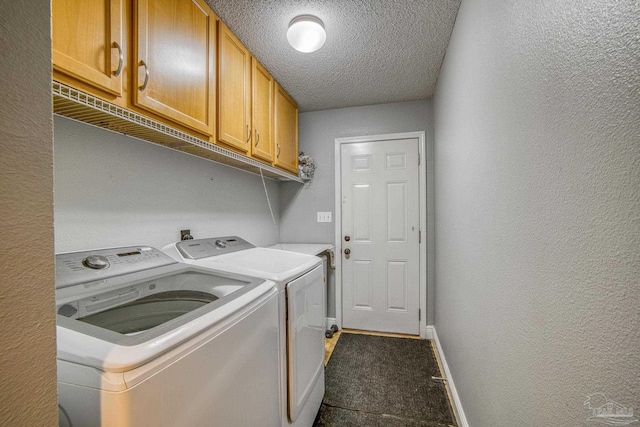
x: 96, y: 262
x: 221, y: 244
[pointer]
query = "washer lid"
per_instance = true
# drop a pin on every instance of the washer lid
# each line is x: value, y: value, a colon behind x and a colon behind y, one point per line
x: 121, y: 322
x: 279, y: 266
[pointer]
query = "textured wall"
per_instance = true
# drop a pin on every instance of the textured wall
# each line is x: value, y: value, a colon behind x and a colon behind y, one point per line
x: 27, y: 335
x: 537, y: 165
x: 113, y: 190
x: 318, y: 131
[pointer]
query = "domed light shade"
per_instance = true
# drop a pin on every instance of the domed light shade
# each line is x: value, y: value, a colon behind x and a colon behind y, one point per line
x: 306, y: 33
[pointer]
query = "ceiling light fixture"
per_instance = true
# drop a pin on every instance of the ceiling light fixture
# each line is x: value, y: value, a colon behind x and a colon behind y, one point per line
x: 306, y: 33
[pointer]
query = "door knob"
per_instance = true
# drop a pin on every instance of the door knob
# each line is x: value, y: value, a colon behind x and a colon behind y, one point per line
x: 347, y: 251
x: 347, y: 238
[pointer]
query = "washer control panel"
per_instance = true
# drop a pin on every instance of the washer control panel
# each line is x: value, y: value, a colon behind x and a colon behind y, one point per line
x: 203, y: 248
x: 80, y: 267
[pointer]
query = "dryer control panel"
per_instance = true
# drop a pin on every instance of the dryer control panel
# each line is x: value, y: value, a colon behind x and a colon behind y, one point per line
x: 203, y: 248
x: 80, y: 267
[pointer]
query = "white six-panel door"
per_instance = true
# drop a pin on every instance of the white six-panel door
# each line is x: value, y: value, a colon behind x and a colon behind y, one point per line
x: 380, y: 235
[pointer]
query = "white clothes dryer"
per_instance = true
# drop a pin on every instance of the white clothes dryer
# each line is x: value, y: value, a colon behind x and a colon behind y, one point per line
x: 300, y: 282
x: 146, y: 341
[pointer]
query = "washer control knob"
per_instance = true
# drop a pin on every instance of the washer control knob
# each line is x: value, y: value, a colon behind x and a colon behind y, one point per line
x: 221, y: 244
x: 97, y: 262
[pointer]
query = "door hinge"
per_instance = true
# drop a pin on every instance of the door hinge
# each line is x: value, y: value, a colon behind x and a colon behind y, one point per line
x: 419, y: 160
x: 419, y: 314
x: 420, y: 236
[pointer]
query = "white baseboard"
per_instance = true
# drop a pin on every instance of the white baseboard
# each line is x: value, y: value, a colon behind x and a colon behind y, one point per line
x: 331, y: 321
x: 431, y: 334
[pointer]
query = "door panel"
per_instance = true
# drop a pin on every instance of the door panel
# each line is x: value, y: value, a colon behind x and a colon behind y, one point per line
x: 361, y: 163
x: 397, y: 292
x: 397, y: 212
x: 234, y: 90
x: 174, y: 73
x: 363, y: 284
x: 380, y: 214
x: 87, y: 40
x: 262, y: 110
x: 361, y: 215
x: 285, y: 131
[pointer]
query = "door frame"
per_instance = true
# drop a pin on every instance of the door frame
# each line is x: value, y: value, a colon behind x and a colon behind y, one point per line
x: 422, y: 205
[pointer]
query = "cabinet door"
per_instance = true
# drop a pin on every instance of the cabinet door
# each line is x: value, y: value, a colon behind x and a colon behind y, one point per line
x: 262, y: 82
x: 234, y: 91
x: 87, y: 42
x: 174, y: 49
x: 286, y: 131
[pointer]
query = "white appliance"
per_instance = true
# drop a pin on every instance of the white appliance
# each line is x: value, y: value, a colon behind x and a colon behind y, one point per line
x: 301, y: 289
x: 325, y: 251
x: 146, y: 341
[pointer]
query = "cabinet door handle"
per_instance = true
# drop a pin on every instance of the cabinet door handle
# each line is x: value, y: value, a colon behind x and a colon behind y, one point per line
x: 278, y: 155
x: 117, y: 72
x: 146, y: 75
x: 248, y: 133
x: 257, y: 137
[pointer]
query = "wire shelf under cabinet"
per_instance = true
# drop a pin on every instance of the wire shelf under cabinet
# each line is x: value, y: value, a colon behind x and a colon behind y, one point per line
x: 75, y: 104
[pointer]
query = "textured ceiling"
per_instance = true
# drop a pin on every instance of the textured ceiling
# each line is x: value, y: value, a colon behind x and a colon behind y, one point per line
x: 376, y: 51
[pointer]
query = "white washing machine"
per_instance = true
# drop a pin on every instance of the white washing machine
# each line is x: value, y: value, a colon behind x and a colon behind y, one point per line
x: 146, y: 341
x: 301, y: 289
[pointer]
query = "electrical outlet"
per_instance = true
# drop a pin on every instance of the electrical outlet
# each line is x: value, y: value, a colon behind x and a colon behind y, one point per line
x: 185, y: 235
x: 324, y: 216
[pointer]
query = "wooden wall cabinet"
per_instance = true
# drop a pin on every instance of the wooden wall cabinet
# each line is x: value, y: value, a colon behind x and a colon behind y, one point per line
x: 88, y: 43
x: 234, y: 91
x: 174, y: 62
x: 262, y: 118
x: 174, y: 73
x: 285, y: 131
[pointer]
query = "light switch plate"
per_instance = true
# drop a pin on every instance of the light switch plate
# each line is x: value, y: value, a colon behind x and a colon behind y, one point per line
x: 324, y: 216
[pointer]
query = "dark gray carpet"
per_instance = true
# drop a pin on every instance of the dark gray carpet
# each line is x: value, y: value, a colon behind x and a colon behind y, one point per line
x: 383, y: 381
x: 337, y: 417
